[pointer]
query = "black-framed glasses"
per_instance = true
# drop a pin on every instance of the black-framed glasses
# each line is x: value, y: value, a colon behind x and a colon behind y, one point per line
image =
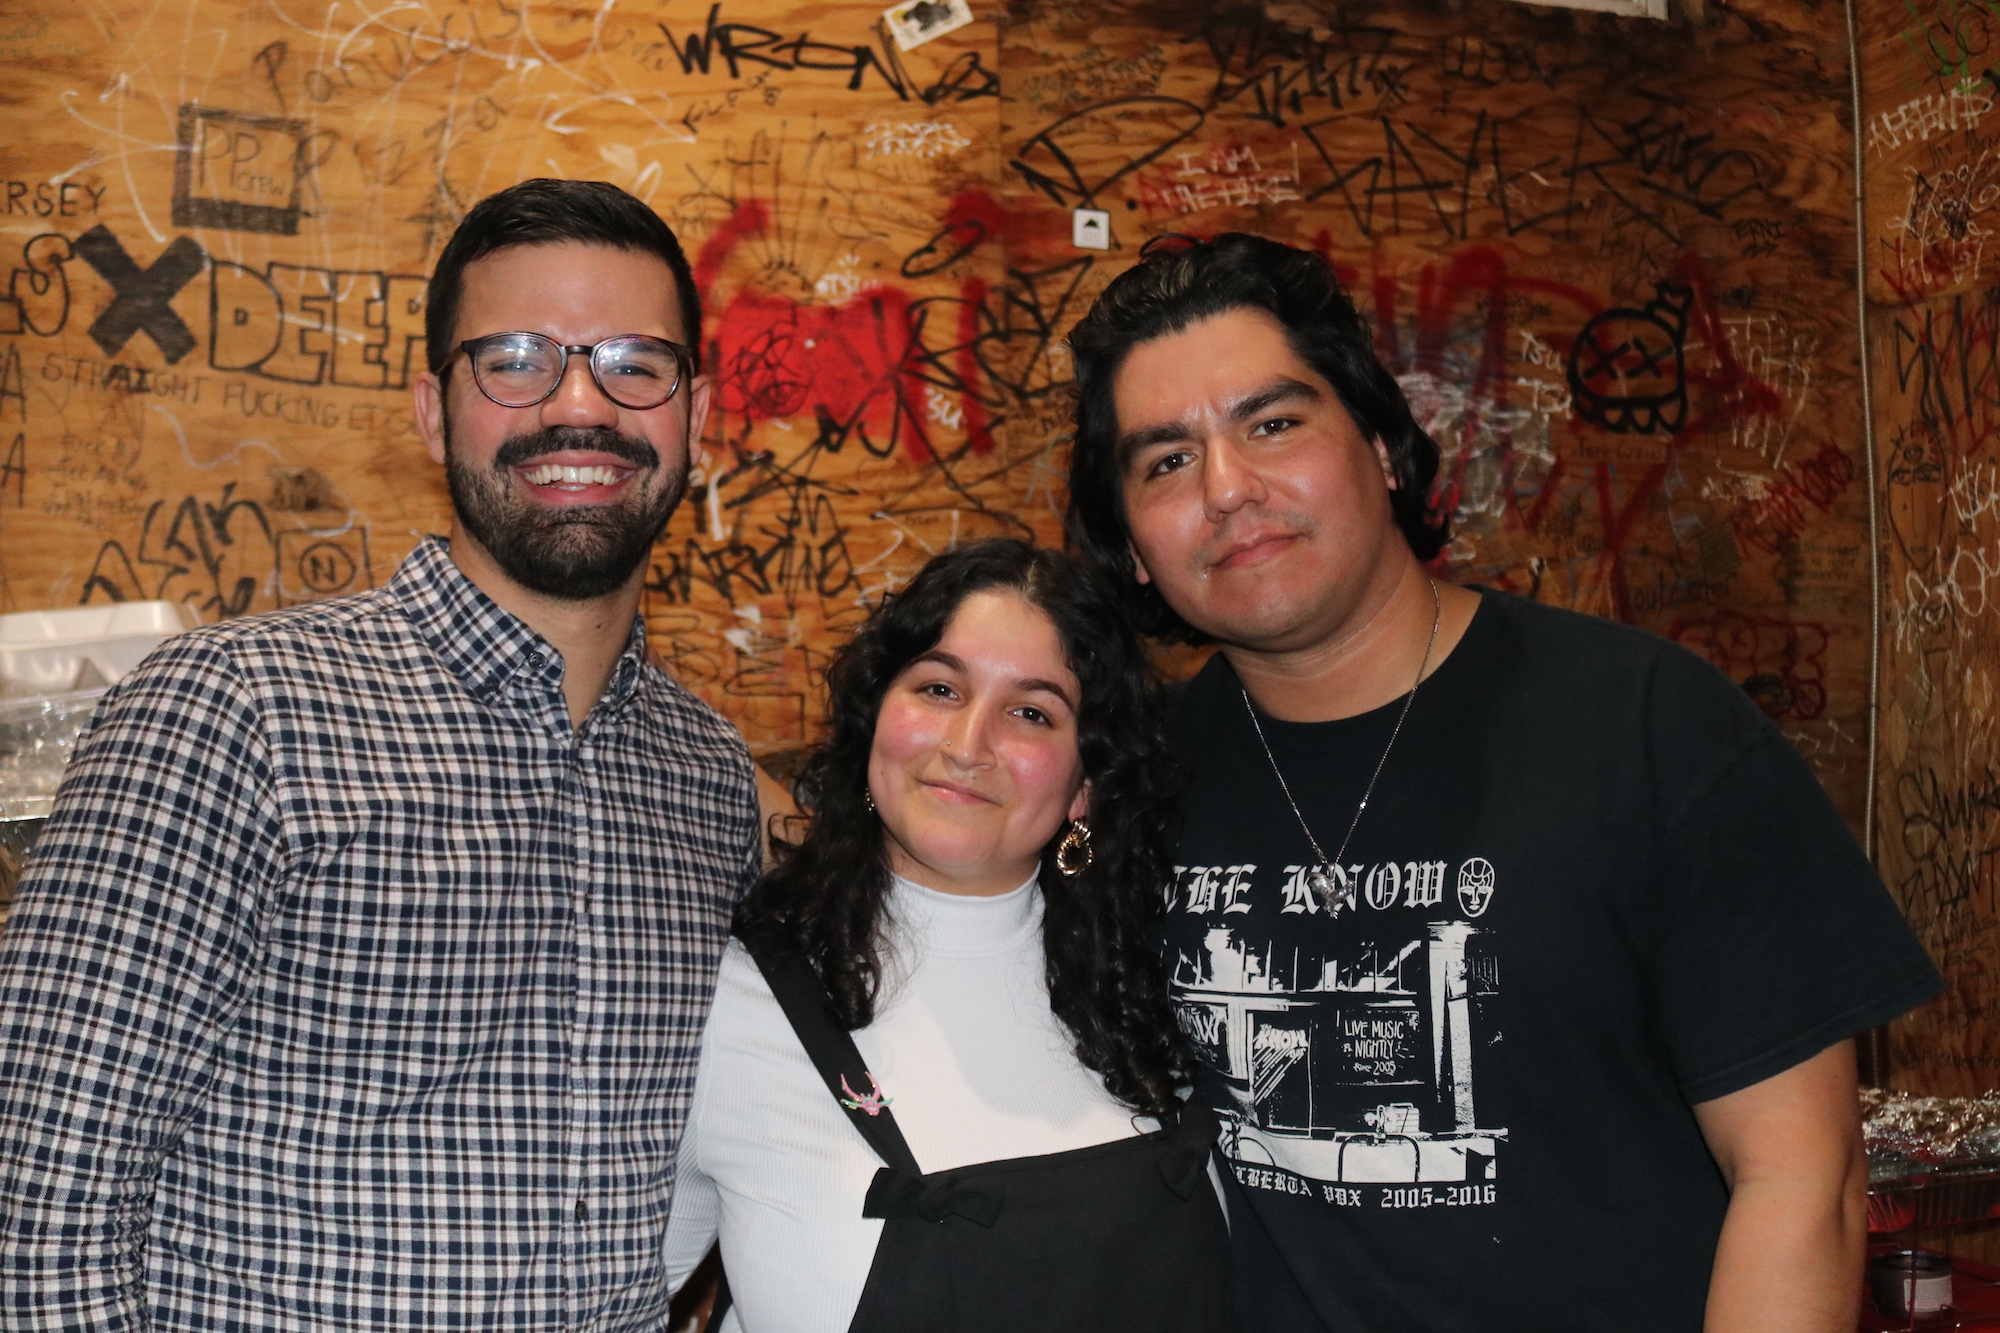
x: 634, y: 370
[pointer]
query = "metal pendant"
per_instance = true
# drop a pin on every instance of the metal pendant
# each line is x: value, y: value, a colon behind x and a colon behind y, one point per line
x: 1320, y: 880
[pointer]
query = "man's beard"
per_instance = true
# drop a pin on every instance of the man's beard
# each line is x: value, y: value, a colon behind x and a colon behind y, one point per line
x: 572, y: 553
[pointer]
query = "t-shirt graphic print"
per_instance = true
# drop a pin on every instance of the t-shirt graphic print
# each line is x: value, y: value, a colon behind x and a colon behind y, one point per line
x: 1350, y: 1058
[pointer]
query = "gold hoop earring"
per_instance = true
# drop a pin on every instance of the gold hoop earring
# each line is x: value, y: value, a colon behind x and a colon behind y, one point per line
x: 1075, y: 843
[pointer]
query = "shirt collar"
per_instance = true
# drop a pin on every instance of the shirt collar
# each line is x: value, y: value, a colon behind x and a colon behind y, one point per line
x: 625, y: 676
x: 481, y: 643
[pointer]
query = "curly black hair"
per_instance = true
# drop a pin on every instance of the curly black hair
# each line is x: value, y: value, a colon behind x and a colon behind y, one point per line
x: 1180, y: 281
x: 827, y: 895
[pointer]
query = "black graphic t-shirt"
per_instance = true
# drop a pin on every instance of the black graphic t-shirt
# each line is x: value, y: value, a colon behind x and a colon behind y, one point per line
x: 1593, y: 887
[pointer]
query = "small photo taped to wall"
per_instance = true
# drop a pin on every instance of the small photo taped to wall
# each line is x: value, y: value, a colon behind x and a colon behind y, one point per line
x: 919, y: 21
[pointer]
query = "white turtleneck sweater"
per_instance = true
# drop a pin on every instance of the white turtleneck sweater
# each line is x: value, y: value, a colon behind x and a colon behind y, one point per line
x: 977, y: 1069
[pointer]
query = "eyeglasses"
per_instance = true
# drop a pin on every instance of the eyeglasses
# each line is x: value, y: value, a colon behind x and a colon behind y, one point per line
x: 634, y: 370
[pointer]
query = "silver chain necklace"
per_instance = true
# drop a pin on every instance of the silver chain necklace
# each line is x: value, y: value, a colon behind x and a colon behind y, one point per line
x: 1320, y: 877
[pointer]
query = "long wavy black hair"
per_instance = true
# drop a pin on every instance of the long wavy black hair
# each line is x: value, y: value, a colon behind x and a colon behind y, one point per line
x: 828, y: 894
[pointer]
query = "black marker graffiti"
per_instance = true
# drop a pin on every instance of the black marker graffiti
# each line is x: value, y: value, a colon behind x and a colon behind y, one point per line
x: 1490, y: 63
x: 364, y: 330
x: 315, y: 565
x: 14, y: 472
x: 193, y: 538
x: 1625, y: 368
x: 142, y: 294
x: 37, y: 299
x: 241, y: 172
x: 1152, y: 125
x: 1282, y: 68
x: 1947, y: 362
x: 965, y: 80
x: 1415, y: 163
x: 302, y: 325
x: 51, y: 199
x: 13, y: 385
x: 1641, y: 172
x: 1648, y: 163
x: 946, y: 248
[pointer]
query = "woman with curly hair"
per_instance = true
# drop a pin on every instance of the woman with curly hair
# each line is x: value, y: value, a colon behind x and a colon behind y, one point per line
x: 940, y: 1086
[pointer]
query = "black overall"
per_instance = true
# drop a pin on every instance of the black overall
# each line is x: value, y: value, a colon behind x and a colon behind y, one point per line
x: 1121, y: 1237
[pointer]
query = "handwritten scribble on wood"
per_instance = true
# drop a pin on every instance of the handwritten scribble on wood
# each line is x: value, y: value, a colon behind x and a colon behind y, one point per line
x: 1929, y: 135
x: 1602, y: 255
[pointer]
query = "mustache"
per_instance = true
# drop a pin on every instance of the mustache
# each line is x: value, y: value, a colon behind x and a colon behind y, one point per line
x: 594, y: 439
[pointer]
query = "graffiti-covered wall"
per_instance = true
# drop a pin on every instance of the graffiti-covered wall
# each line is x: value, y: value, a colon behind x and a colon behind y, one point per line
x: 1610, y: 260
x: 1607, y: 257
x: 1932, y: 144
x: 218, y: 221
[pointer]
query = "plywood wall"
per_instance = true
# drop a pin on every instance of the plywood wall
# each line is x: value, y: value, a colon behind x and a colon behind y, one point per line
x: 1932, y: 140
x: 1609, y: 259
x: 218, y: 222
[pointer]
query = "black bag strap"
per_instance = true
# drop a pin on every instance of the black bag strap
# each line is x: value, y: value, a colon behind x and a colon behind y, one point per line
x: 809, y: 1009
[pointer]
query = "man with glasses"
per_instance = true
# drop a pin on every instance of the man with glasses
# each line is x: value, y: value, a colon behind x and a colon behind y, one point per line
x: 358, y: 977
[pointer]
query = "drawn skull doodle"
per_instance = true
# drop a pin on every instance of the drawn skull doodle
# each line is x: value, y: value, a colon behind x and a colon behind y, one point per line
x: 1625, y: 368
x: 1475, y: 885
x: 1917, y: 493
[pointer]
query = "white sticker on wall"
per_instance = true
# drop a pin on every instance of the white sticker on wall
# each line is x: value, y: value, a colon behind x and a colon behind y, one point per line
x: 919, y: 21
x: 1090, y: 229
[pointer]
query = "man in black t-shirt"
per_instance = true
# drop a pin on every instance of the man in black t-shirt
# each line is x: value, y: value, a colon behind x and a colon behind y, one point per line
x: 1521, y: 951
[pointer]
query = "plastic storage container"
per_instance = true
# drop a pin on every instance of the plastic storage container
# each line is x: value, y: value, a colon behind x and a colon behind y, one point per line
x: 58, y: 652
x: 54, y: 667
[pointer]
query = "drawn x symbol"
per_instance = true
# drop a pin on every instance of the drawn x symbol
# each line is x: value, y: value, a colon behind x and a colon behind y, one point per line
x: 1606, y: 362
x: 142, y: 294
x: 1651, y: 359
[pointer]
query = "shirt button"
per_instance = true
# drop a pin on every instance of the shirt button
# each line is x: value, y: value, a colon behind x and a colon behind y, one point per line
x: 535, y: 661
x: 582, y: 1211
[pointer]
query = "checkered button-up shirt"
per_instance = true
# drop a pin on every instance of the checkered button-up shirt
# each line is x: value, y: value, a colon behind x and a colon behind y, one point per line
x: 351, y: 987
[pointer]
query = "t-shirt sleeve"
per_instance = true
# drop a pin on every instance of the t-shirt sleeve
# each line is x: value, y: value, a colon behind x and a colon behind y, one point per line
x: 1777, y: 938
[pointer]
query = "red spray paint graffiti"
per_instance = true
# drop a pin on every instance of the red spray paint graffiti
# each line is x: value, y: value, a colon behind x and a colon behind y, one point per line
x: 855, y: 362
x: 1478, y: 284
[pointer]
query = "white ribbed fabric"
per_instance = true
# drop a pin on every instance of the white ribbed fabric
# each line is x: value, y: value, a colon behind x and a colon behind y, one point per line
x: 963, y: 1043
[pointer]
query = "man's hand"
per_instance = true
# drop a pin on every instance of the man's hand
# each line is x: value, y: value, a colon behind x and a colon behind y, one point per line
x: 1790, y: 1256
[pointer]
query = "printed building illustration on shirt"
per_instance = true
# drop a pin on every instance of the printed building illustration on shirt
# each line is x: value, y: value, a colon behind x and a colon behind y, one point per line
x: 1357, y: 1064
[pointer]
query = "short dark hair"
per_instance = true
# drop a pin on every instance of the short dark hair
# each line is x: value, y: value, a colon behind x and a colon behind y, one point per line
x: 1178, y: 282
x: 546, y: 212
x: 828, y: 894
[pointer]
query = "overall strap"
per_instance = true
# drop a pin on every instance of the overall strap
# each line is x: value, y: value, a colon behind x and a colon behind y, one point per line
x: 809, y: 1009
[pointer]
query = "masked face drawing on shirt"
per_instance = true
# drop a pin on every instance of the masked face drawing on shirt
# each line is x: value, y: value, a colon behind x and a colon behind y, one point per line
x: 974, y: 766
x: 568, y: 493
